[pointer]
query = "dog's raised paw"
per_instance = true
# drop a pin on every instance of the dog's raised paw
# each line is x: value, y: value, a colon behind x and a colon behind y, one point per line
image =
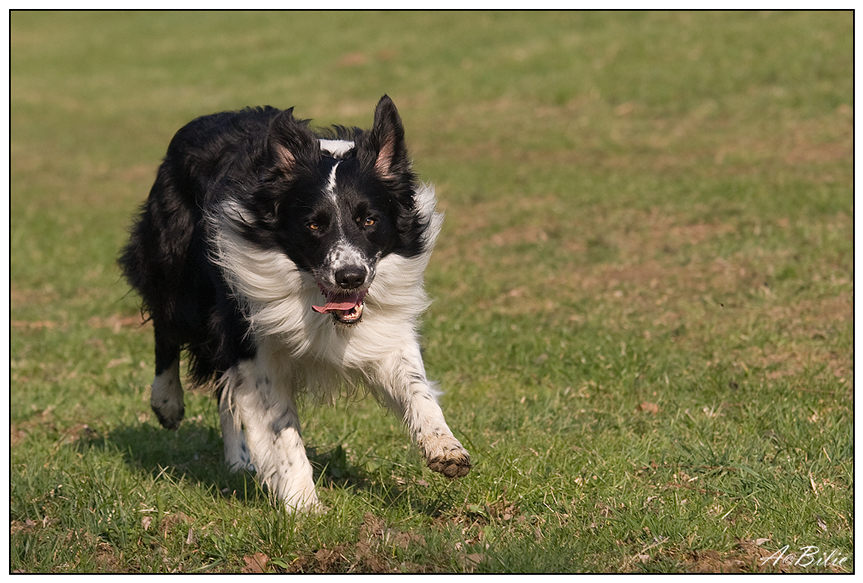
x: 452, y: 462
x: 450, y: 468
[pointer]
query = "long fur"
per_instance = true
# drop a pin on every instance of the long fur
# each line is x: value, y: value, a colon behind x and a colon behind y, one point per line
x: 252, y: 221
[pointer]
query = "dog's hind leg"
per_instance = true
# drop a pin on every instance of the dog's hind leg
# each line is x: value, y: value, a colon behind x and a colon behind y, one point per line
x: 166, y: 398
x: 237, y: 455
x: 408, y: 393
x: 272, y: 427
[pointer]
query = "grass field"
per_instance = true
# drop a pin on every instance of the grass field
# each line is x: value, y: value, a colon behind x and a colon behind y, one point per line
x: 643, y: 293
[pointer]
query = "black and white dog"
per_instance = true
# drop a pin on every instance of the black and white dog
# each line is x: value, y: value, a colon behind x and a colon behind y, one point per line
x: 287, y: 261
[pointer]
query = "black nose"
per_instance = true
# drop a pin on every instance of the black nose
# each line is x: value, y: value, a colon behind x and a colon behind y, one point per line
x: 351, y: 277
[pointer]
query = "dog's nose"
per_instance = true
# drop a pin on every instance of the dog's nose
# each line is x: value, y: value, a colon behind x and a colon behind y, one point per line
x: 351, y: 277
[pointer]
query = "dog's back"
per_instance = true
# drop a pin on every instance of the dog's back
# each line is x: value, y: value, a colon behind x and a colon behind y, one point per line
x: 167, y: 259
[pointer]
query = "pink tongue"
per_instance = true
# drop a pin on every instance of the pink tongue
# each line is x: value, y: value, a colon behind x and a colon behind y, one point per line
x: 339, y: 305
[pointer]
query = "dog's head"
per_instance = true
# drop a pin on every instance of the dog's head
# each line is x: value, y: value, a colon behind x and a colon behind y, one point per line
x: 338, y: 202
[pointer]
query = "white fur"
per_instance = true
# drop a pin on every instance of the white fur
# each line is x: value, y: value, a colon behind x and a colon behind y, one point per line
x: 336, y: 148
x: 331, y: 185
x: 237, y: 456
x: 300, y: 351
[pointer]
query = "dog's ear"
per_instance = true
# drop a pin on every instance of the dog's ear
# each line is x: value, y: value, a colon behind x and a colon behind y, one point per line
x: 385, y: 147
x: 290, y: 141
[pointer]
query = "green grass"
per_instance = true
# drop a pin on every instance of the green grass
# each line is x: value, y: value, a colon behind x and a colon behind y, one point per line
x: 643, y: 292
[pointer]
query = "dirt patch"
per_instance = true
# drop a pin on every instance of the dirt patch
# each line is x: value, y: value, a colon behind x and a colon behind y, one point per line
x: 33, y: 325
x: 178, y: 519
x: 18, y: 296
x: 352, y: 60
x: 256, y: 563
x: 117, y: 322
x: 374, y: 552
x: 805, y: 326
x: 106, y: 558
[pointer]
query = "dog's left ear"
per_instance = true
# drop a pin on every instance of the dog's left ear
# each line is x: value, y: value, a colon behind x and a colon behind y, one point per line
x: 385, y: 147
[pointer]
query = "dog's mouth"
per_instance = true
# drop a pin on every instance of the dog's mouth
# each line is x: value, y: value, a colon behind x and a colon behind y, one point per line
x: 346, y: 308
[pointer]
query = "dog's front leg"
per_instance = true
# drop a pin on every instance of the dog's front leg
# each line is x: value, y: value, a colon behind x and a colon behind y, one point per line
x: 272, y: 427
x: 407, y: 392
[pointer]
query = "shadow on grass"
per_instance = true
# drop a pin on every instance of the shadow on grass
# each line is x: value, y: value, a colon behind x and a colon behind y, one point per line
x: 193, y: 453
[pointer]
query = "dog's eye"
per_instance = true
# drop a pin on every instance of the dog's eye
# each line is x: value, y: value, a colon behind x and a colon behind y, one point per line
x: 313, y: 226
x: 368, y: 222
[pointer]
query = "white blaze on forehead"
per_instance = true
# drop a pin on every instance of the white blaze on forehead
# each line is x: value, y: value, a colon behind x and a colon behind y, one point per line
x: 336, y: 148
x: 331, y: 183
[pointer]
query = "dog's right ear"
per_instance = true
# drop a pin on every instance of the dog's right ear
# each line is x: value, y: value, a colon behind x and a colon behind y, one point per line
x: 290, y: 141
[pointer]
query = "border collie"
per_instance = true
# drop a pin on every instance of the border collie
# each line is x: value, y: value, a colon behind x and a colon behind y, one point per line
x: 288, y: 261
